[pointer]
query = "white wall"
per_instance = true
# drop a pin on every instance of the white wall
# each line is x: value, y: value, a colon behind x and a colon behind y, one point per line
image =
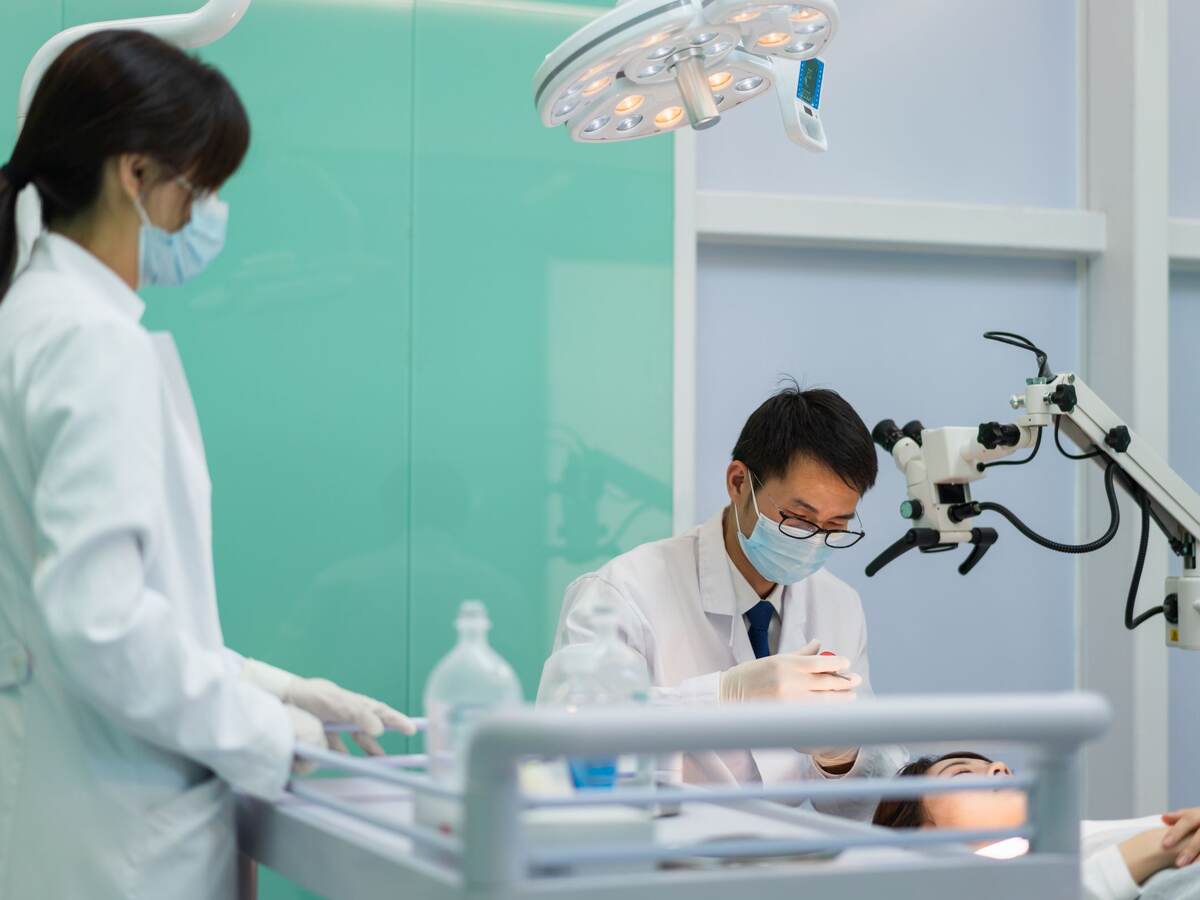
x: 929, y: 102
x: 1185, y: 457
x: 1185, y: 371
x: 899, y: 337
x: 923, y: 101
x: 1184, y: 62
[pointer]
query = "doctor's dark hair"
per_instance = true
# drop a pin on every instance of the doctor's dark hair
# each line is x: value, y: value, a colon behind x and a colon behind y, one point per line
x: 814, y: 425
x: 111, y: 93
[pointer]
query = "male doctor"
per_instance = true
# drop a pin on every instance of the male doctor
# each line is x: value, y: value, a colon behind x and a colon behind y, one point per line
x: 738, y: 609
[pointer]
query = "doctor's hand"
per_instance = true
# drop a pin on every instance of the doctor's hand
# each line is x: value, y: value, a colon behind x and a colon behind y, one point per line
x: 331, y: 704
x: 799, y: 676
x: 307, y: 730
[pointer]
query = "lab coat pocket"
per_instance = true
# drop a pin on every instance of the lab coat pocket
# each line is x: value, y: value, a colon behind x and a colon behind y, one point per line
x: 189, y: 847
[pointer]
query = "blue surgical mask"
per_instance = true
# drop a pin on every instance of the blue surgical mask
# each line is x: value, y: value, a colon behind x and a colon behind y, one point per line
x: 777, y: 557
x: 173, y: 257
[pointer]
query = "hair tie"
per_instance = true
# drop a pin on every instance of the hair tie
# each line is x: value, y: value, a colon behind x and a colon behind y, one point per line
x: 16, y: 176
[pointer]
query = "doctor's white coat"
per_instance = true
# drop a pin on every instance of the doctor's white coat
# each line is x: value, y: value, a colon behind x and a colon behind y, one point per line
x: 676, y: 604
x: 123, y: 719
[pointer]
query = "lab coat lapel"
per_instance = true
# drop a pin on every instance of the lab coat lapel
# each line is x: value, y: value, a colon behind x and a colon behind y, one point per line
x: 793, y: 632
x: 716, y: 588
x: 177, y: 388
x: 775, y: 766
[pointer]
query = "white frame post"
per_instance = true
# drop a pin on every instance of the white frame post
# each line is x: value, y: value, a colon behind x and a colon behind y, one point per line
x: 684, y: 456
x: 1125, y: 353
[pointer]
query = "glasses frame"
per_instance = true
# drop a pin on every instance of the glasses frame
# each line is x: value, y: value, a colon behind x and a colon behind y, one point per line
x: 197, y: 195
x: 786, y: 517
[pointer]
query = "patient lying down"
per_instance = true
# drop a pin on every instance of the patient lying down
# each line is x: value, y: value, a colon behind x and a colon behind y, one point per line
x: 1118, y: 856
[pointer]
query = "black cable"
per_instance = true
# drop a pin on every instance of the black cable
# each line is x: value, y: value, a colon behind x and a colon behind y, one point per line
x: 1109, y: 489
x: 1131, y: 622
x: 1063, y: 450
x: 1177, y: 546
x: 1018, y: 340
x: 1037, y: 445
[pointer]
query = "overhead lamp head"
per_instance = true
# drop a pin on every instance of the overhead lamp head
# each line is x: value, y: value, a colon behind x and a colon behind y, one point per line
x: 647, y: 67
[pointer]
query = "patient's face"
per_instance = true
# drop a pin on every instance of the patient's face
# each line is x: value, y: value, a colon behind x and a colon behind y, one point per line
x: 974, y: 809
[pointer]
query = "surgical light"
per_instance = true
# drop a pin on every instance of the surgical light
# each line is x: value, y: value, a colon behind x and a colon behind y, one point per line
x: 596, y: 86
x: 669, y: 116
x: 773, y: 39
x: 692, y: 61
x: 630, y: 103
x: 719, y: 80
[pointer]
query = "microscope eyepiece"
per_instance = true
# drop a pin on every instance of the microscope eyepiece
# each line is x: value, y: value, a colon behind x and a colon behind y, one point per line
x: 913, y: 430
x: 887, y: 434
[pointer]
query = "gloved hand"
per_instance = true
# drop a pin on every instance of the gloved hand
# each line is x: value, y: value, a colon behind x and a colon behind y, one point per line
x: 307, y: 730
x: 330, y: 703
x: 798, y: 676
x: 836, y: 761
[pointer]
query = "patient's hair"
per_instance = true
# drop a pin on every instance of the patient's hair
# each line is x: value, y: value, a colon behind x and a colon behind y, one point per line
x: 910, y: 813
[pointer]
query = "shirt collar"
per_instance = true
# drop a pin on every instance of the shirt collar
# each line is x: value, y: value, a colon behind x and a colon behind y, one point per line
x: 57, y: 253
x: 746, y: 598
x: 723, y: 589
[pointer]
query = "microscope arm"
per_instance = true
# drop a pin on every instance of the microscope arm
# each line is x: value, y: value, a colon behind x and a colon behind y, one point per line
x: 939, y: 465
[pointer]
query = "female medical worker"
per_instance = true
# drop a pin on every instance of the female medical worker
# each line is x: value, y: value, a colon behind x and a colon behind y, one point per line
x: 124, y: 721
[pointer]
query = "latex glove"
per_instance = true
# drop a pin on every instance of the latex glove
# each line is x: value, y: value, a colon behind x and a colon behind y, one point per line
x: 836, y: 761
x: 798, y: 676
x: 308, y: 730
x: 330, y: 703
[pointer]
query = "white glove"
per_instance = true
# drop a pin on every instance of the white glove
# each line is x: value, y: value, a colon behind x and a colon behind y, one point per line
x: 799, y: 676
x: 309, y: 731
x: 331, y: 704
x: 833, y: 759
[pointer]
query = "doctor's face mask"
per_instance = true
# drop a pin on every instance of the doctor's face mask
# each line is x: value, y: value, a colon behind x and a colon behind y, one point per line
x: 776, y: 556
x: 795, y: 521
x: 175, y: 257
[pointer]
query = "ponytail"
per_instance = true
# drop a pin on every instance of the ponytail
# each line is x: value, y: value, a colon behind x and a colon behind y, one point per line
x: 12, y: 181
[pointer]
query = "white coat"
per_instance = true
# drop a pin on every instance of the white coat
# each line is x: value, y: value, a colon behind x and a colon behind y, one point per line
x: 677, y: 607
x: 123, y: 719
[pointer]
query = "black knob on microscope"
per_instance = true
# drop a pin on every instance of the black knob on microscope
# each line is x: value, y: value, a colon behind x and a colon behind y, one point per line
x: 887, y: 434
x: 913, y: 430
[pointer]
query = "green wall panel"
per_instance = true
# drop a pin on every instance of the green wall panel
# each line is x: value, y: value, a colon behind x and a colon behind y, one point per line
x: 542, y: 312
x: 24, y: 26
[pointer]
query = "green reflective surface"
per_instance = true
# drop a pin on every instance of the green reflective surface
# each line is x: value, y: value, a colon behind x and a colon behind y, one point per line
x: 542, y: 317
x: 434, y: 361
x: 24, y: 26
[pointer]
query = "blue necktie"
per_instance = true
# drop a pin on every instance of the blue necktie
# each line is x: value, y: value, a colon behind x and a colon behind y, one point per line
x: 760, y: 617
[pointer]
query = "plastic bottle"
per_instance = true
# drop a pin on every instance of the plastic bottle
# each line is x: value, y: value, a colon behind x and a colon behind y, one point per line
x: 602, y: 672
x: 469, y: 682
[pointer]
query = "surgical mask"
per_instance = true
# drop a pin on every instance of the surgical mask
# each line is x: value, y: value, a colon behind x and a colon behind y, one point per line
x: 173, y: 257
x: 777, y: 557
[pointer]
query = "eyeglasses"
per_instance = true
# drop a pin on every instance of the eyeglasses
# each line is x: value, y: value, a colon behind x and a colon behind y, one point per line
x: 197, y: 193
x: 793, y: 526
x: 801, y: 529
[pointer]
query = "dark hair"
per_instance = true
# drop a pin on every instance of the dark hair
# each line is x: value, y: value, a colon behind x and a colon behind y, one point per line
x: 814, y: 424
x: 115, y: 92
x: 910, y: 812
